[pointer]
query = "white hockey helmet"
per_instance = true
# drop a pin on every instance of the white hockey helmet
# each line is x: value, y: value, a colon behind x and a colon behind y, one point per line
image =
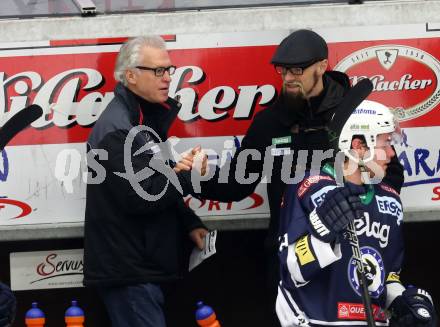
x: 369, y: 119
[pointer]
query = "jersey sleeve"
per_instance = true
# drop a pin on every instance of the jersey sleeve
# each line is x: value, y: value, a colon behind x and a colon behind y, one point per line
x: 393, y: 284
x: 302, y: 255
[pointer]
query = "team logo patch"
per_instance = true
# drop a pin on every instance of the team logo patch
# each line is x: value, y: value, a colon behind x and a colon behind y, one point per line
x: 309, y: 182
x: 318, y: 197
x: 356, y: 311
x: 391, y: 206
x: 374, y: 272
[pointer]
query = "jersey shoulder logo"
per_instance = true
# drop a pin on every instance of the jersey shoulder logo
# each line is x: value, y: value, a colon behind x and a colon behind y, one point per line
x: 389, y: 189
x: 309, y: 181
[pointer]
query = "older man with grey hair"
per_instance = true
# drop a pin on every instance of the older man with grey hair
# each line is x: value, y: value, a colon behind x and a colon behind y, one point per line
x: 136, y: 220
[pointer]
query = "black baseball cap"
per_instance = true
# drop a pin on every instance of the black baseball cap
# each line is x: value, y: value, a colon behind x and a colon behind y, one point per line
x: 301, y: 48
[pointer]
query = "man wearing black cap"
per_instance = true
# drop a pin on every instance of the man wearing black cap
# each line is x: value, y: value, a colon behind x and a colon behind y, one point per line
x: 296, y: 121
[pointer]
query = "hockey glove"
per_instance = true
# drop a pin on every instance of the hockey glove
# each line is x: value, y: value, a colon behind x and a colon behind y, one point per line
x: 341, y: 206
x: 414, y: 308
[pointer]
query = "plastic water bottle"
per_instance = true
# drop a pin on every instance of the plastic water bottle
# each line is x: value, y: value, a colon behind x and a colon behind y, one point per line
x: 35, y: 317
x: 205, y: 316
x: 74, y: 316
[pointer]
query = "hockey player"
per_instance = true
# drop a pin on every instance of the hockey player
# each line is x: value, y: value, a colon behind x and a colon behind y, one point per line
x: 319, y: 284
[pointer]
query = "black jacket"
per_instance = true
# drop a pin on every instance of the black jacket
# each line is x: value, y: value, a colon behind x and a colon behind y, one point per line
x: 130, y: 240
x: 287, y: 128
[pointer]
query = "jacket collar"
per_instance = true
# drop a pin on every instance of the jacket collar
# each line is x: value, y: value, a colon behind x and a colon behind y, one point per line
x: 336, y: 85
x: 132, y: 104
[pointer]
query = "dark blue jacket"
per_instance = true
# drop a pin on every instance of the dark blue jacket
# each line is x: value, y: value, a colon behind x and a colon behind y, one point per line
x: 128, y: 238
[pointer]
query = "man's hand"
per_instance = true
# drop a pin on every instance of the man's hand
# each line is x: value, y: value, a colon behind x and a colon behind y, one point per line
x: 196, y: 159
x: 197, y: 236
x: 200, y: 163
x: 341, y: 206
x: 187, y: 160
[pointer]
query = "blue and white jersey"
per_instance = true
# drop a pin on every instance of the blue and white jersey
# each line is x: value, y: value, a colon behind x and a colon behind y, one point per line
x: 319, y: 285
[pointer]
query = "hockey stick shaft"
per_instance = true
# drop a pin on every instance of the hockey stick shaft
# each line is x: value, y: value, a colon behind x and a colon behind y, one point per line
x: 350, y: 102
x: 357, y: 256
x: 19, y: 122
x: 351, y: 235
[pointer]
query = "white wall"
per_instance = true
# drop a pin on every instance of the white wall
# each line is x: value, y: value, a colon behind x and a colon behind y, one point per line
x: 230, y: 20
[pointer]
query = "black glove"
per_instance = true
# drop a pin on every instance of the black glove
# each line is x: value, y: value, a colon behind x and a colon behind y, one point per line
x: 7, y: 306
x: 414, y: 308
x: 341, y: 206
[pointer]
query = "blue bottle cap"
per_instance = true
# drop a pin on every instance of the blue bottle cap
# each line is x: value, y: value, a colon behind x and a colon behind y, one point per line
x: 203, y: 311
x: 34, y: 312
x: 74, y: 310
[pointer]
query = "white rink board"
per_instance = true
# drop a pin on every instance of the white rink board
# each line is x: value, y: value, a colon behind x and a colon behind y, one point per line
x: 421, y: 161
x: 52, y: 201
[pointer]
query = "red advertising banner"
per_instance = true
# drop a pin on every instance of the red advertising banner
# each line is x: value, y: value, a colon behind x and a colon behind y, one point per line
x: 220, y: 88
x: 405, y: 75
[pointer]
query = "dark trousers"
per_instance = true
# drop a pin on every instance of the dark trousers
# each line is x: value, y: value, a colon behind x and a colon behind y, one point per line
x: 134, y: 306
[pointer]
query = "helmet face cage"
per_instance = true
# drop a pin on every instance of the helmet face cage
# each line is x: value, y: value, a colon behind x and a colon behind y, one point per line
x: 369, y: 119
